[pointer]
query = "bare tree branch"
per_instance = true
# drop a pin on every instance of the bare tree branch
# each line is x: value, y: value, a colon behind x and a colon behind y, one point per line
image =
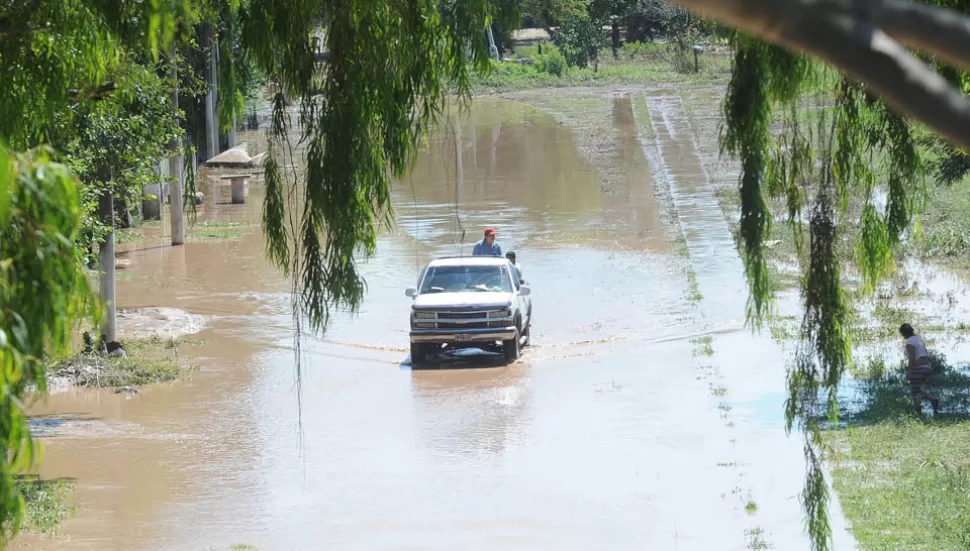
x: 942, y: 32
x: 97, y: 94
x: 857, y: 48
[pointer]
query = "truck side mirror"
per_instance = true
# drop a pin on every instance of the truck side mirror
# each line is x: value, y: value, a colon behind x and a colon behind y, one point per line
x: 411, y: 293
x: 525, y: 291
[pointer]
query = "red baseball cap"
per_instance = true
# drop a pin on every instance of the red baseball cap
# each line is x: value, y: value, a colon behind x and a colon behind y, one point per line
x: 490, y: 231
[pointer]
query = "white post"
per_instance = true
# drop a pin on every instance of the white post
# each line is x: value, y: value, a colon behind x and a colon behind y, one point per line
x: 211, y: 122
x: 232, y: 133
x: 176, y: 169
x: 106, y: 258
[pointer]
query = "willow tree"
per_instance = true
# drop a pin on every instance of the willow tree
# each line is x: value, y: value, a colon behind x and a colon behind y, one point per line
x: 54, y: 56
x: 361, y: 117
x: 855, y: 147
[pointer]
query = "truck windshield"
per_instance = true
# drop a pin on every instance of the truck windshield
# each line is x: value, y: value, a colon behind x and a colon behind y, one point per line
x: 467, y: 279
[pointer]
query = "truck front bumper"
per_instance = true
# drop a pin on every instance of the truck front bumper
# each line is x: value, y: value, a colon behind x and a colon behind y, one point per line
x: 443, y: 336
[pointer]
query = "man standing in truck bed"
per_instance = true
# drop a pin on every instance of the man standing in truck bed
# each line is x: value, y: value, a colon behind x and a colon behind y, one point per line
x: 487, y: 246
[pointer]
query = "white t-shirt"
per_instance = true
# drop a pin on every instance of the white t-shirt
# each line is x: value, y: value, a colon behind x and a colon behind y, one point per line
x: 918, y: 345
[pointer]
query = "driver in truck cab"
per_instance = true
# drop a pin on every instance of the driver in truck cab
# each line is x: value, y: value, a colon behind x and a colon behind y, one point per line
x: 487, y: 246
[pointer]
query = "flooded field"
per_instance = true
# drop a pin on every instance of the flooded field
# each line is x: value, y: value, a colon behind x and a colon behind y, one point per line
x: 644, y: 416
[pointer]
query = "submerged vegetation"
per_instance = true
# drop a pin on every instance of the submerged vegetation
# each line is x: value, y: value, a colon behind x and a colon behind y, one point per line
x: 148, y: 361
x: 206, y: 230
x: 48, y: 502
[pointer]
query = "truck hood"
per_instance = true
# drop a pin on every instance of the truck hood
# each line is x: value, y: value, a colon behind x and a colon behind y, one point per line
x: 434, y: 301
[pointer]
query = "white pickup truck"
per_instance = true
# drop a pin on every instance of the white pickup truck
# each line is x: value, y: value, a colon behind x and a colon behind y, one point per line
x: 469, y: 302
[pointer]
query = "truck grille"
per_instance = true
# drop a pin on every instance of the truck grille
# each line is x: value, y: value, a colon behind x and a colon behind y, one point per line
x: 469, y: 325
x: 460, y: 315
x: 482, y: 319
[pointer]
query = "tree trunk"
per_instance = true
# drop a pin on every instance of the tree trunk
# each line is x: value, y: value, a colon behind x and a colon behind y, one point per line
x: 211, y: 96
x: 106, y: 257
x: 862, y: 50
x: 615, y: 24
x: 122, y: 212
x: 175, y: 169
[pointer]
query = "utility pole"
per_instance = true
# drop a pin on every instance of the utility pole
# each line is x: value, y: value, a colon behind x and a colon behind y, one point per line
x: 175, y: 166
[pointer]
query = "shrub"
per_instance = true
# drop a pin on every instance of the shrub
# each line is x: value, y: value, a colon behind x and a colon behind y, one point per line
x: 551, y: 61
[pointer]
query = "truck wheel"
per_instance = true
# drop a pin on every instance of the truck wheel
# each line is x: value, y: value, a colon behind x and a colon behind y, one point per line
x: 511, y: 348
x: 419, y: 353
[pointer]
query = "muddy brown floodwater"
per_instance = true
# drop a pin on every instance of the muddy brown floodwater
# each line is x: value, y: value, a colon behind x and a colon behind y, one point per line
x: 640, y: 419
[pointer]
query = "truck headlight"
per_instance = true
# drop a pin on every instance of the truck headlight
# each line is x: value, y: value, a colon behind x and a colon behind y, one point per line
x: 506, y: 313
x: 424, y: 315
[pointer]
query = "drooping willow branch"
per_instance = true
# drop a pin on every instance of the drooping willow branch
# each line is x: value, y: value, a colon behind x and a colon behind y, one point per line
x: 837, y: 33
x: 820, y: 161
x: 362, y: 115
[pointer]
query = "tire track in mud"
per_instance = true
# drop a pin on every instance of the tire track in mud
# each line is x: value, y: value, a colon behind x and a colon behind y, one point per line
x: 715, y: 270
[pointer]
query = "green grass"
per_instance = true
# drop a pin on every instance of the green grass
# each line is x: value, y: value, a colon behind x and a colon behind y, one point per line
x: 149, y: 361
x: 703, y: 346
x: 208, y: 231
x: 946, y: 224
x: 242, y: 547
x: 693, y: 291
x: 128, y: 235
x: 756, y: 539
x: 783, y: 328
x: 47, y: 503
x: 903, y: 479
x: 199, y: 231
x: 656, y: 69
x: 903, y: 484
x: 751, y: 507
x: 122, y: 275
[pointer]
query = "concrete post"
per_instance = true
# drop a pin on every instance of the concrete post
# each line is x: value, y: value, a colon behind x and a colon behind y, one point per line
x: 232, y: 133
x: 176, y: 170
x: 237, y: 187
x: 238, y: 191
x: 211, y: 96
x: 106, y: 257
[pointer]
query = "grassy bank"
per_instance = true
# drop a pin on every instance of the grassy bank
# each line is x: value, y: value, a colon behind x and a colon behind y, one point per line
x: 946, y: 225
x: 148, y: 361
x: 903, y: 484
x: 649, y: 63
x: 48, y: 503
x: 903, y: 480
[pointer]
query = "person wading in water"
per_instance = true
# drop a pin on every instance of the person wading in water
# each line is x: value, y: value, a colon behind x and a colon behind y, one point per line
x: 919, y: 368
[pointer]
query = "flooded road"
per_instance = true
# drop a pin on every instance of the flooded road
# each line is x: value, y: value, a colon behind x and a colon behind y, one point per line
x: 642, y: 417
